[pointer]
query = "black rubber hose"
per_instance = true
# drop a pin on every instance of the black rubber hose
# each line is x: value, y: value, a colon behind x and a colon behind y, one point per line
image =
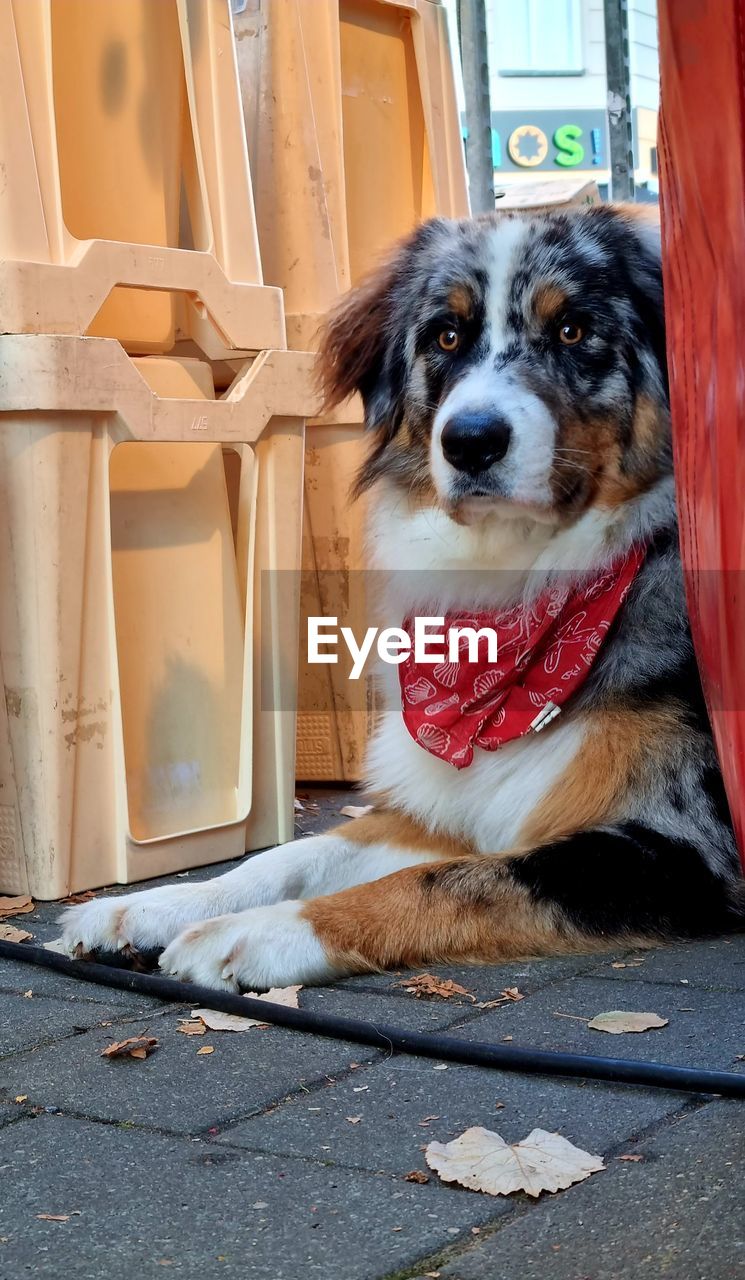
x: 381, y: 1036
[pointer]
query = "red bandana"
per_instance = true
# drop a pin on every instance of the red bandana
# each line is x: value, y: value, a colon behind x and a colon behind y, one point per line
x: 545, y: 651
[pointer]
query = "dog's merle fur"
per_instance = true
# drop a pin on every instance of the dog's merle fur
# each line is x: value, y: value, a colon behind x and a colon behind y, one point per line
x: 612, y: 826
x: 668, y: 864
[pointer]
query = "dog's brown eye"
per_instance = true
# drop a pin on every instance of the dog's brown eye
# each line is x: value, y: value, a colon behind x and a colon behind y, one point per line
x: 570, y: 334
x: 448, y: 340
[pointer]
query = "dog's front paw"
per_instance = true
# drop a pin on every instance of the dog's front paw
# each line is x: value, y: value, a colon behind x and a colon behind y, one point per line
x: 251, y: 951
x: 145, y: 921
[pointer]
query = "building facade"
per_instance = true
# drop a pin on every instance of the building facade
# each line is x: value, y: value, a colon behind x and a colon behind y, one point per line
x: 549, y: 93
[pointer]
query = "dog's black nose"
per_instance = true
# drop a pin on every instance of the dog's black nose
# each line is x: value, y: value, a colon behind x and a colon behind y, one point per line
x: 472, y: 442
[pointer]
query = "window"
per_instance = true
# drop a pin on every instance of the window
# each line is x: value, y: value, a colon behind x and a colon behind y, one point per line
x: 538, y: 37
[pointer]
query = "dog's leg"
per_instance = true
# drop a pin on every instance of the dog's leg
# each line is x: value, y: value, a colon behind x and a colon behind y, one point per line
x: 588, y: 892
x: 359, y: 851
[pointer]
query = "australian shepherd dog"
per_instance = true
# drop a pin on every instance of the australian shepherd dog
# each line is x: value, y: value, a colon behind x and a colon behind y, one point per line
x: 566, y: 796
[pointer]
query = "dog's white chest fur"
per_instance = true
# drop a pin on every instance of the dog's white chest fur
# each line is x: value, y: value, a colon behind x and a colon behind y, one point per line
x: 431, y: 565
x: 489, y: 802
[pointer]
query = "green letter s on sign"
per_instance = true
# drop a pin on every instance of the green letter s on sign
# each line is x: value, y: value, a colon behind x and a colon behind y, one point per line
x: 569, y: 152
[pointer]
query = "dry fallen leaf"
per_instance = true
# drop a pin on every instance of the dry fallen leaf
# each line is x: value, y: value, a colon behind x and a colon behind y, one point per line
x: 54, y: 1217
x: 508, y: 996
x: 9, y: 933
x: 134, y: 1047
x: 206, y: 1048
x: 426, y: 984
x: 216, y: 1021
x: 57, y: 946
x: 355, y: 810
x: 353, y: 1119
x: 482, y: 1161
x: 192, y: 1027
x: 74, y: 898
x: 21, y: 1097
x: 630, y: 1159
x: 15, y: 906
x: 416, y: 1176
x: 617, y: 1021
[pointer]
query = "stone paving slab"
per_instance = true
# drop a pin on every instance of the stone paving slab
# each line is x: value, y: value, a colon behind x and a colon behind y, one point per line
x: 10, y: 1112
x: 395, y: 1007
x: 146, y: 1205
x: 220, y: 1164
x: 716, y: 964
x: 176, y: 1089
x: 404, y: 1103
x: 16, y: 978
x: 39, y: 1021
x: 679, y: 1214
x: 486, y: 982
x: 706, y: 1028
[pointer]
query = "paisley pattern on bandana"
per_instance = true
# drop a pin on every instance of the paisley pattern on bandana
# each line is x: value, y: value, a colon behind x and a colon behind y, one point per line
x: 544, y: 652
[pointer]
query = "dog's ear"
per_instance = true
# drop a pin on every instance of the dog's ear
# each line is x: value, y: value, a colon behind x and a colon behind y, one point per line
x: 363, y: 341
x: 361, y: 348
x: 644, y: 263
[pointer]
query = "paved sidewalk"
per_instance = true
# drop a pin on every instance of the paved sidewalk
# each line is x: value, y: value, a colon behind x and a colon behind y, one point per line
x: 283, y: 1156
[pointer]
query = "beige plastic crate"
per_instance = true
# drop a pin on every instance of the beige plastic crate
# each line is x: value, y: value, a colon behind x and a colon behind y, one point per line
x: 148, y: 636
x: 354, y: 136
x: 125, y: 175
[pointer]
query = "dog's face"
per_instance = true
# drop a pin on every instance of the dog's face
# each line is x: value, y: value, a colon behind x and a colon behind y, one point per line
x: 512, y: 364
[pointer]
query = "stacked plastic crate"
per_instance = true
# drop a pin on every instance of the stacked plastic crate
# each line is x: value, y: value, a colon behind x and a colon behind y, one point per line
x: 354, y: 136
x: 151, y: 455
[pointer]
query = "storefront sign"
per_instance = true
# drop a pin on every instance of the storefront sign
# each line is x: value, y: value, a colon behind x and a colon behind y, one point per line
x: 549, y: 140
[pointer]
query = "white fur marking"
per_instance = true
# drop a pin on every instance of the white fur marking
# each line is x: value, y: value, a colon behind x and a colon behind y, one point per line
x: 489, y: 802
x: 525, y: 473
x: 266, y: 947
x: 307, y: 868
x: 504, y: 245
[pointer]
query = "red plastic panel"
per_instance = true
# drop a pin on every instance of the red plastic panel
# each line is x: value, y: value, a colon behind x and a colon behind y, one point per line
x: 702, y: 154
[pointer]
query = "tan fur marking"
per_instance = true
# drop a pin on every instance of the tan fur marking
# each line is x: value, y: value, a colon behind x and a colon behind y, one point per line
x: 390, y: 827
x: 590, y: 792
x: 650, y: 430
x: 549, y: 301
x: 588, y: 451
x: 460, y: 302
x: 413, y: 449
x: 405, y: 919
x: 648, y: 215
x: 593, y: 447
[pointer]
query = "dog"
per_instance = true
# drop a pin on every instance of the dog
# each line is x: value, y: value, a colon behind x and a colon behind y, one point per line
x: 513, y: 374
